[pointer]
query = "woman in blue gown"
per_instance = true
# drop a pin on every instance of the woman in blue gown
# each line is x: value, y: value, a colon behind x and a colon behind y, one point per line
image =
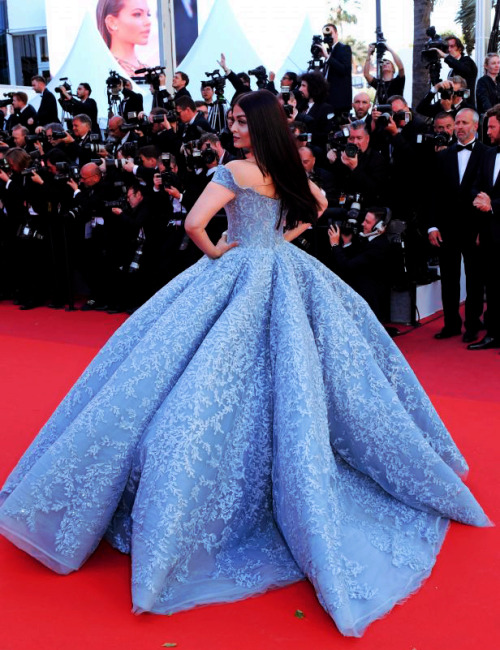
x: 251, y: 425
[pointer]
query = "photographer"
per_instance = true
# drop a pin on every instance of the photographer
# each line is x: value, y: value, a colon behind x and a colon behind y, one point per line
x: 47, y: 111
x: 240, y: 81
x: 117, y: 138
x: 129, y: 261
x: 460, y: 64
x: 24, y: 202
x: 82, y: 104
x: 322, y: 178
x: 445, y: 123
x: 361, y: 105
x: 454, y: 95
x: 338, y: 72
x: 217, y: 110
x: 192, y: 124
x: 82, y: 145
x: 132, y: 102
x: 362, y: 170
x: 390, y: 83
x: 179, y: 82
x: 24, y: 114
x: 365, y: 268
x: 92, y: 239
x: 453, y: 227
x: 314, y: 90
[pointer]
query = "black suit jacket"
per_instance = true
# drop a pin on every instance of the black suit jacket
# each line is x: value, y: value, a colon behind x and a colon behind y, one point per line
x: 367, y: 272
x: 465, y: 68
x: 23, y: 118
x: 489, y: 222
x: 451, y: 210
x: 47, y: 112
x: 338, y: 74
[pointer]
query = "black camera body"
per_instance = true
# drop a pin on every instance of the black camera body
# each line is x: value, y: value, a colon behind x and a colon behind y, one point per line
x: 261, y: 76
x: 152, y: 76
x: 435, y: 139
x: 7, y: 102
x: 65, y: 84
x: 67, y: 171
x: 218, y: 83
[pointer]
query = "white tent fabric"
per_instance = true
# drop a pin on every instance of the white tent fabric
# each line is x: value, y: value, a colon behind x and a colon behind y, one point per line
x: 90, y: 60
x: 221, y: 33
x: 300, y: 53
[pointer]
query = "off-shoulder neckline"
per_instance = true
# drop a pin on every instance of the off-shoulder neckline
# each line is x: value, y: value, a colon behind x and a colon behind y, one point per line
x: 264, y: 196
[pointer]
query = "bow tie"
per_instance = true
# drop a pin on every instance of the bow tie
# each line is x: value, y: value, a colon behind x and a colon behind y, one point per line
x: 461, y: 147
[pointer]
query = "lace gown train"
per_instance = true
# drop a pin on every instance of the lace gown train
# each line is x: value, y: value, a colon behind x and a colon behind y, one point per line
x: 251, y: 425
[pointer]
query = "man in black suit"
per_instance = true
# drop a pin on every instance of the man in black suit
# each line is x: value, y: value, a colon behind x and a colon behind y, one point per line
x: 451, y: 100
x: 83, y: 103
x: 454, y: 226
x: 459, y: 63
x: 314, y: 90
x: 364, y: 173
x: 487, y: 201
x: 322, y: 178
x: 192, y: 124
x: 47, y: 111
x: 338, y: 72
x: 179, y: 82
x: 366, y: 269
x: 24, y: 114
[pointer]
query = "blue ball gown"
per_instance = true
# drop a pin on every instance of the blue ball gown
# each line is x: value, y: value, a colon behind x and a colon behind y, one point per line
x: 251, y: 425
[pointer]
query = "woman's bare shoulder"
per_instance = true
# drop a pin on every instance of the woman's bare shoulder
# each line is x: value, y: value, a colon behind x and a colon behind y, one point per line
x: 245, y: 173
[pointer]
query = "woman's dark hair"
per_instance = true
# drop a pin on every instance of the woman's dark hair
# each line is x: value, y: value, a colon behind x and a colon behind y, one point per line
x: 293, y: 78
x: 317, y: 86
x: 276, y: 155
x: 107, y: 8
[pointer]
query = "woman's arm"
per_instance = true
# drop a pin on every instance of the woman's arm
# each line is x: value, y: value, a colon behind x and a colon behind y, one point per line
x: 213, y: 199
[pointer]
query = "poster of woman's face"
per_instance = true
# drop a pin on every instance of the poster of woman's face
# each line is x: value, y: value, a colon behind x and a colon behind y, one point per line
x: 130, y: 30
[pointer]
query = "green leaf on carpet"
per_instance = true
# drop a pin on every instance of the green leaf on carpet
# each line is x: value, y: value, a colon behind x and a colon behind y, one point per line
x: 169, y: 645
x: 299, y: 613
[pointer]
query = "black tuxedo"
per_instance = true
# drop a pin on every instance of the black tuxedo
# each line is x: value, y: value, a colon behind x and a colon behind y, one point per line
x: 131, y: 103
x: 338, y: 74
x: 366, y: 270
x: 458, y: 222
x: 23, y: 118
x: 318, y: 124
x: 76, y: 107
x: 47, y: 111
x: 192, y: 131
x: 182, y: 92
x: 489, y: 236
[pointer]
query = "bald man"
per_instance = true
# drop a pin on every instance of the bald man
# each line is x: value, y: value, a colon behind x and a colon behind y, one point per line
x: 361, y: 105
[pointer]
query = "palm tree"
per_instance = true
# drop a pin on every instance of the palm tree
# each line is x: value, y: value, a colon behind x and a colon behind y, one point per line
x: 422, y: 10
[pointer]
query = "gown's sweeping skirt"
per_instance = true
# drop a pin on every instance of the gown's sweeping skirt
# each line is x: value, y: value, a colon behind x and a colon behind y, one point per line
x: 249, y: 426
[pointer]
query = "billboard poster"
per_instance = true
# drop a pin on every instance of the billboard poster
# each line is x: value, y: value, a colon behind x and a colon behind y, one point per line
x: 128, y: 28
x: 186, y: 26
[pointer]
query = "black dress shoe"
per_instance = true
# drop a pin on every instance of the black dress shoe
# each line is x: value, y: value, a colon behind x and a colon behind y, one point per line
x: 89, y: 305
x: 29, y: 305
x: 468, y: 337
x: 486, y: 343
x: 55, y: 305
x: 447, y: 333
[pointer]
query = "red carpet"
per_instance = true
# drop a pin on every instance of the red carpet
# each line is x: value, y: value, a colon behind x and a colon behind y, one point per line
x: 42, y: 352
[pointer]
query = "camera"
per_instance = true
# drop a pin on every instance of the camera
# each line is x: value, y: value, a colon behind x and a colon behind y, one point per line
x: 59, y: 135
x: 152, y: 76
x: 386, y: 114
x: 117, y: 203
x: 114, y: 82
x: 434, y: 139
x: 261, y: 76
x: 208, y: 155
x: 337, y: 140
x: 4, y: 165
x: 67, y: 171
x: 65, y: 84
x: 167, y: 178
x: 218, y: 83
x: 429, y: 57
x: 37, y: 137
x: 135, y: 264
x: 6, y: 102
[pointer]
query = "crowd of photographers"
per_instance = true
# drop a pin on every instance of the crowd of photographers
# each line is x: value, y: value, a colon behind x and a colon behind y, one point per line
x: 102, y: 213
